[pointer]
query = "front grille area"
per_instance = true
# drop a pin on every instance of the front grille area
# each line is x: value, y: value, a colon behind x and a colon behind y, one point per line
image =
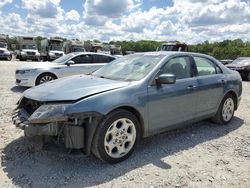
x: 29, y: 105
x: 31, y: 53
x: 1, y: 51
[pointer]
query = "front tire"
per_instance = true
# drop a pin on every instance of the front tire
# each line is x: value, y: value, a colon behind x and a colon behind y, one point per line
x: 116, y: 136
x: 225, y: 112
x: 46, y: 77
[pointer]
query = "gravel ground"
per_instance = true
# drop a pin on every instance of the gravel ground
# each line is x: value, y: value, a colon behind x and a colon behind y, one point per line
x: 202, y: 155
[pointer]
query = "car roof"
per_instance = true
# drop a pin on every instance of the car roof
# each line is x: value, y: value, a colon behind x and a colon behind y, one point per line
x: 94, y: 53
x: 169, y: 53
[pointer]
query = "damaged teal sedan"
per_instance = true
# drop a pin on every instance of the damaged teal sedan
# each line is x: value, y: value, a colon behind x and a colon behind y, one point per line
x: 136, y: 96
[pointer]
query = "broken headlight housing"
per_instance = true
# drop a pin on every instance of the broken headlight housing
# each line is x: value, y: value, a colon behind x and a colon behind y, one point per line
x: 49, y: 113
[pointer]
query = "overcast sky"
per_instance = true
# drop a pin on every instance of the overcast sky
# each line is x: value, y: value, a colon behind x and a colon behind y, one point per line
x: 190, y: 21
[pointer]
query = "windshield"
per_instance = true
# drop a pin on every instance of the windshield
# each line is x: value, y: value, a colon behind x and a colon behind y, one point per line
x: 58, y: 48
x: 63, y: 59
x: 241, y: 61
x: 129, y: 68
x: 29, y: 46
x: 78, y: 49
x: 3, y: 45
x: 169, y: 48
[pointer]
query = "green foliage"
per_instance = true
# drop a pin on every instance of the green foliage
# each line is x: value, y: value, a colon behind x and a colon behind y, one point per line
x: 38, y: 42
x: 227, y: 49
x: 12, y: 42
x: 138, y: 46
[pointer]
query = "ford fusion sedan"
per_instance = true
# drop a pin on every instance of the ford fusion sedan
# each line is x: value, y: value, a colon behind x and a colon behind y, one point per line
x: 32, y: 74
x: 242, y: 65
x: 133, y: 97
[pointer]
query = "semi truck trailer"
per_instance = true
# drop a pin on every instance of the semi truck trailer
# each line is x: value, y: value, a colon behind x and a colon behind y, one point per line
x: 4, y: 52
x: 51, y: 49
x: 73, y: 46
x: 27, y: 49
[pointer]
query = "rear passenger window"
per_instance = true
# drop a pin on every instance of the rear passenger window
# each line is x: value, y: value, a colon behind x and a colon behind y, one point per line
x: 82, y: 59
x: 101, y: 59
x: 205, y: 66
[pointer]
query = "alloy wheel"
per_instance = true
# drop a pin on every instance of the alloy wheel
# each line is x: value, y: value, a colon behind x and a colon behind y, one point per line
x: 120, y: 138
x: 228, y: 109
x: 46, y: 78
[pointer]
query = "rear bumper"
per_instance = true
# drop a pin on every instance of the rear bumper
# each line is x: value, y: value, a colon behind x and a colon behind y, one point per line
x: 243, y: 73
x: 30, y: 57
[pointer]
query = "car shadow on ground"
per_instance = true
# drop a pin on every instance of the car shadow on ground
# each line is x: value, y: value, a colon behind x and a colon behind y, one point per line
x: 46, y: 169
x: 18, y: 89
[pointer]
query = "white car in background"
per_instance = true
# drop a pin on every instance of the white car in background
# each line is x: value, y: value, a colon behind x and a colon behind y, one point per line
x: 32, y: 74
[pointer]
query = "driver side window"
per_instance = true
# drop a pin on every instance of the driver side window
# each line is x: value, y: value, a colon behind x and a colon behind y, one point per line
x: 179, y: 66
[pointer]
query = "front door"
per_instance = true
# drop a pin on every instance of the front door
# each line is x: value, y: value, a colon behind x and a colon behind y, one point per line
x: 170, y: 104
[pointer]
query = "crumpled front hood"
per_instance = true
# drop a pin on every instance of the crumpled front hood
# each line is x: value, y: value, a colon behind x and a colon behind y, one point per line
x: 37, y: 65
x: 72, y: 88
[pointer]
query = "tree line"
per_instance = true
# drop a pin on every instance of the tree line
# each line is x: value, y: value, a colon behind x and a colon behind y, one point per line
x: 227, y: 49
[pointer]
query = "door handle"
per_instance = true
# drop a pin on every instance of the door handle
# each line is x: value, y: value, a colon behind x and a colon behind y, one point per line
x: 223, y: 81
x: 88, y: 67
x: 191, y: 87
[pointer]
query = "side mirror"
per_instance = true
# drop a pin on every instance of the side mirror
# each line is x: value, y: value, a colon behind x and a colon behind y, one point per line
x: 166, y: 79
x: 70, y: 62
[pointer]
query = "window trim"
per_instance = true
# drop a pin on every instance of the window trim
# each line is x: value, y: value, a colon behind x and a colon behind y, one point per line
x: 209, y: 60
x: 109, y: 57
x: 91, y: 59
x: 192, y: 68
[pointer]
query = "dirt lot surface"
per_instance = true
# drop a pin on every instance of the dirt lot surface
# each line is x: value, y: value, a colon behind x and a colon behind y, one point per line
x: 202, y: 155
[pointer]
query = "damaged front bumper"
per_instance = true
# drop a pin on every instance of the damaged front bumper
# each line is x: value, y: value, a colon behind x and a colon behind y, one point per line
x: 76, y: 131
x: 20, y: 118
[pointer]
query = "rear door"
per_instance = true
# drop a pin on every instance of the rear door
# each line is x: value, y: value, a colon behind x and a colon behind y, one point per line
x: 100, y: 60
x: 82, y: 65
x: 210, y: 86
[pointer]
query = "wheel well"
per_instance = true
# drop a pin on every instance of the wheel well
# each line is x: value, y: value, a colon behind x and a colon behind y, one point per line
x: 137, y: 114
x: 44, y: 73
x: 235, y: 98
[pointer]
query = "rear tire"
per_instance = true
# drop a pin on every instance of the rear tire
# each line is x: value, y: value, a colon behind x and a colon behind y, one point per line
x: 248, y: 76
x: 22, y: 59
x: 116, y: 136
x: 225, y: 112
x: 46, y: 77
